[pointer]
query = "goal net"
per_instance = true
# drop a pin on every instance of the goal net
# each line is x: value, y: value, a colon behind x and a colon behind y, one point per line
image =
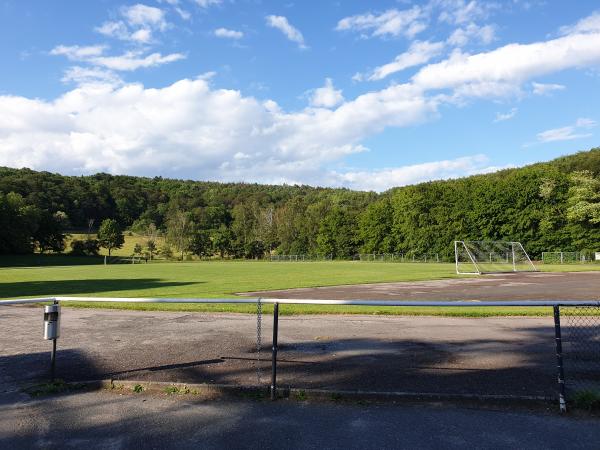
x: 477, y: 257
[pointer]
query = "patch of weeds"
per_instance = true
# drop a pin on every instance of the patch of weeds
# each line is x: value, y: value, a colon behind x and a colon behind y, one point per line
x: 588, y: 400
x: 117, y: 386
x: 172, y: 390
x: 138, y: 389
x: 54, y: 387
x: 300, y: 395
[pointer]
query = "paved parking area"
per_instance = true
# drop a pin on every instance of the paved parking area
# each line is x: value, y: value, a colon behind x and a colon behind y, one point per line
x: 491, y: 356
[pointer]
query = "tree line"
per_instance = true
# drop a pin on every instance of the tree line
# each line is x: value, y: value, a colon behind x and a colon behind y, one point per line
x: 546, y: 206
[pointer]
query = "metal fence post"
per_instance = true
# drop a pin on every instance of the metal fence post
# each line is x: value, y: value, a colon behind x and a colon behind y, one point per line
x: 53, y: 357
x: 274, y: 354
x: 559, y: 360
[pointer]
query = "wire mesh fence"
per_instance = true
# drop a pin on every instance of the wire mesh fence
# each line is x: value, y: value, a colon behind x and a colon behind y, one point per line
x: 581, y: 348
x: 408, y: 257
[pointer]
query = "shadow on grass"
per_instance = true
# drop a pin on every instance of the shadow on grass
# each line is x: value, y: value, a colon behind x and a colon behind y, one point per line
x: 84, y: 286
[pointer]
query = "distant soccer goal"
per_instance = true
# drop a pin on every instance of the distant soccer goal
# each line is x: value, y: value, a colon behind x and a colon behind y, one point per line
x: 478, y: 257
x: 563, y: 257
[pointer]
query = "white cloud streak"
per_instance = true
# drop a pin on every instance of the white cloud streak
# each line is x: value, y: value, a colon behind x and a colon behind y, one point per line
x: 569, y: 132
x: 228, y: 34
x: 501, y: 117
x: 282, y: 24
x: 128, y: 61
x: 546, y: 88
x: 418, y: 53
x: 392, y: 22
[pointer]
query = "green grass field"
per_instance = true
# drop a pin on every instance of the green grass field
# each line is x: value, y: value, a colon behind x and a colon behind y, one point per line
x: 217, y: 279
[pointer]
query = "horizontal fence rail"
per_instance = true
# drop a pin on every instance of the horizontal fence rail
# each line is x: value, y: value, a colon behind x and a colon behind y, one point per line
x: 306, y: 301
x: 591, y: 321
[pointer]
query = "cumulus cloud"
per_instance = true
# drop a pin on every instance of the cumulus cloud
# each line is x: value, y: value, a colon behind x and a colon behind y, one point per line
x: 568, y: 133
x: 228, y: 34
x: 418, y: 53
x: 327, y: 96
x: 138, y: 24
x: 132, y: 129
x: 501, y: 117
x: 282, y: 24
x: 546, y: 88
x: 144, y: 16
x: 393, y: 22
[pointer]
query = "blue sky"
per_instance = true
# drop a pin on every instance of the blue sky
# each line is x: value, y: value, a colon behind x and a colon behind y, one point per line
x: 366, y: 95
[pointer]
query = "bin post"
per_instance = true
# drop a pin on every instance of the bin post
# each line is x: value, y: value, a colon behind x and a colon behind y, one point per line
x: 274, y: 352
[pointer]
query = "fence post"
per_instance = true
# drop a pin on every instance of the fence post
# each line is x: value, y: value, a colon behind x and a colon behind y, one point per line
x: 274, y: 350
x: 559, y: 360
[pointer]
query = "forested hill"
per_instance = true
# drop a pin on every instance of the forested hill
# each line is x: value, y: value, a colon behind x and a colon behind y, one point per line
x: 547, y: 206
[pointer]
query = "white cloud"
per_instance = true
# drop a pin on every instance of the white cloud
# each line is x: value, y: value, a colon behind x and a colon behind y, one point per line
x: 417, y: 54
x: 589, y: 24
x: 138, y: 24
x: 326, y: 96
x: 383, y: 179
x: 144, y: 16
x: 502, y: 71
x: 569, y: 132
x: 462, y: 36
x: 128, y: 61
x: 392, y: 22
x: 282, y: 24
x: 132, y: 129
x: 228, y: 34
x: 459, y: 12
x: 90, y: 75
x: 546, y: 88
x: 207, y: 3
x: 113, y: 29
x: 501, y: 117
x: 78, y: 53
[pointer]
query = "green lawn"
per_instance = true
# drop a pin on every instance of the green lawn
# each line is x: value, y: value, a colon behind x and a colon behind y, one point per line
x: 226, y: 278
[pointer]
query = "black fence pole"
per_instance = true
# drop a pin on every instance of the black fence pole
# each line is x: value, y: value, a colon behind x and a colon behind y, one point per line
x: 53, y: 357
x: 274, y: 354
x: 559, y: 360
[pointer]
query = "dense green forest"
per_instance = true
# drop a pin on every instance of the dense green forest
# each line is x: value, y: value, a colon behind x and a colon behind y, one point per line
x: 547, y: 206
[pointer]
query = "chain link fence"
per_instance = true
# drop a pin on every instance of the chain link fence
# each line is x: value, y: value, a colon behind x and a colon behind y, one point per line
x: 581, y: 349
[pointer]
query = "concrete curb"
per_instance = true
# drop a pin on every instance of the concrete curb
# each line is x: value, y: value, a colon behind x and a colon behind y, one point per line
x: 259, y: 392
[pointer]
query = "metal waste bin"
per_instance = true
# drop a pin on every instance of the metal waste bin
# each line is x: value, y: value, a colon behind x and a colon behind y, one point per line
x: 51, y: 322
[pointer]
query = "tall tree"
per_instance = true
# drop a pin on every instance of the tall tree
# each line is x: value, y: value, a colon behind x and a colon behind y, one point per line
x: 180, y: 229
x: 110, y: 235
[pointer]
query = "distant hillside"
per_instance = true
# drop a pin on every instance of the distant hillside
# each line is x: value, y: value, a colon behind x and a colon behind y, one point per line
x: 547, y: 206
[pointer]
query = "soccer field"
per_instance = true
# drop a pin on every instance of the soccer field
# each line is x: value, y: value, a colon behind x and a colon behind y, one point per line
x: 226, y: 278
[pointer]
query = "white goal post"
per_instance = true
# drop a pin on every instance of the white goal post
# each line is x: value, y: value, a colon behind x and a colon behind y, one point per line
x: 479, y: 257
